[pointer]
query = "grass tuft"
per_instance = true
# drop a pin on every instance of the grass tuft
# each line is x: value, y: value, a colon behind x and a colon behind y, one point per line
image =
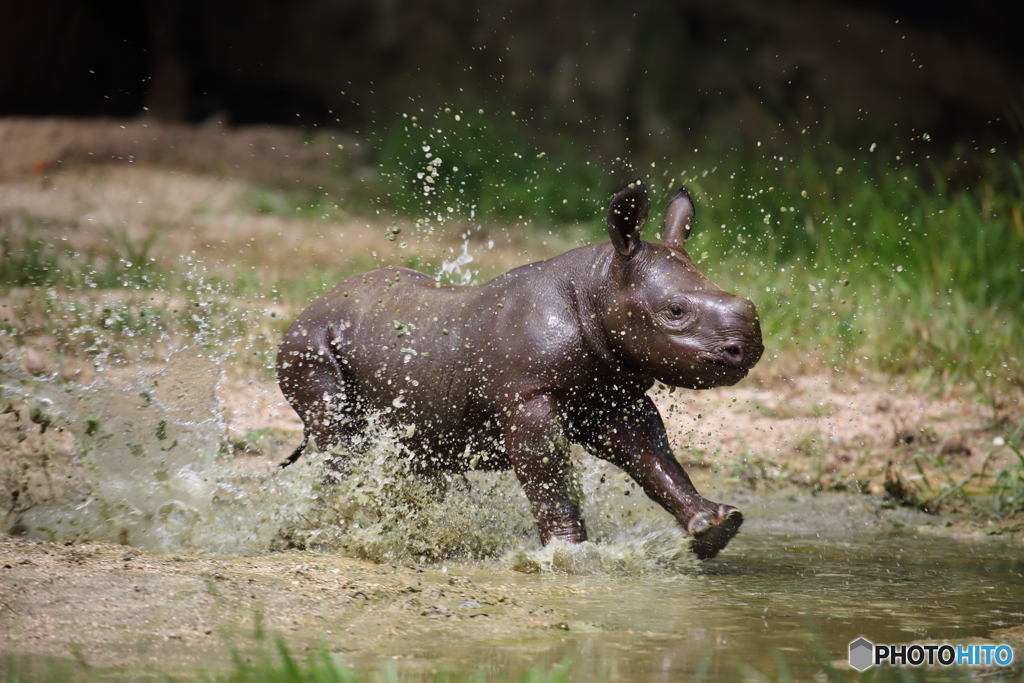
x: 29, y: 258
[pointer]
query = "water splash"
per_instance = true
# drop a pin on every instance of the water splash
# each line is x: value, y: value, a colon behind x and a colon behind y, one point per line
x: 640, y: 549
x: 155, y: 471
x: 452, y: 270
x: 629, y: 534
x: 151, y: 461
x: 387, y: 510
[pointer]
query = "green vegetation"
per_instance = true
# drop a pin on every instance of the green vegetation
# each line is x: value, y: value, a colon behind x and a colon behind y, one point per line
x: 326, y: 668
x: 874, y: 263
x: 282, y: 666
x: 29, y: 259
x: 869, y: 254
x: 275, y: 664
x: 939, y: 482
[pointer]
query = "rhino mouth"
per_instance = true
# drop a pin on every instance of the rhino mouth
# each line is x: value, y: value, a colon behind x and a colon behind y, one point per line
x: 728, y: 364
x: 729, y: 370
x: 721, y: 372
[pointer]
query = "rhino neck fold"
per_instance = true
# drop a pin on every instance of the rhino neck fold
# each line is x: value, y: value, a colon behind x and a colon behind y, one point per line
x: 593, y: 296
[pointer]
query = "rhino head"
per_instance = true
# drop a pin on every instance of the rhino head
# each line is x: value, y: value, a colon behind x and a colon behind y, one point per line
x: 662, y: 316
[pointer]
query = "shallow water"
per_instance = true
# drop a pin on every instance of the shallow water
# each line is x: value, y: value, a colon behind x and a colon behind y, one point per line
x: 770, y: 601
x: 807, y: 575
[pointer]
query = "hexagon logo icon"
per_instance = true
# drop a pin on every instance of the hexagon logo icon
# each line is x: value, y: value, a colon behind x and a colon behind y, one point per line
x: 862, y: 654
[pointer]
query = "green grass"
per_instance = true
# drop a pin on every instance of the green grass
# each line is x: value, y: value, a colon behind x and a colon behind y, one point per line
x: 323, y: 667
x: 28, y: 258
x: 931, y: 482
x: 910, y: 256
x: 274, y: 664
x: 796, y: 200
x: 875, y: 262
x: 280, y: 665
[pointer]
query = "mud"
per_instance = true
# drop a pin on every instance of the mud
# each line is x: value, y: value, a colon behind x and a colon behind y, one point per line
x: 106, y: 605
x: 831, y: 567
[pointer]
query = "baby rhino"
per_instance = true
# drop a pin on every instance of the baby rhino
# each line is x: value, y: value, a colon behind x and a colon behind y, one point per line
x: 508, y: 374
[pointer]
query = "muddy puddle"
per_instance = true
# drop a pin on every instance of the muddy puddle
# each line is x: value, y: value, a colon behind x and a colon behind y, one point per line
x: 777, y: 602
x: 154, y: 550
x: 808, y: 575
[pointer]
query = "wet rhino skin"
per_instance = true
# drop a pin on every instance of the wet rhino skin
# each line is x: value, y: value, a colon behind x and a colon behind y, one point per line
x: 510, y: 373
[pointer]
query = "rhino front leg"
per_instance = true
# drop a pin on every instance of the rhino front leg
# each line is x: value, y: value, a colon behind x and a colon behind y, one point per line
x: 539, y: 454
x: 635, y: 440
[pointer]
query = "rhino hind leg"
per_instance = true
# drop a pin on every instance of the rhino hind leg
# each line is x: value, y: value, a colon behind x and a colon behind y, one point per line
x: 711, y: 535
x: 314, y: 384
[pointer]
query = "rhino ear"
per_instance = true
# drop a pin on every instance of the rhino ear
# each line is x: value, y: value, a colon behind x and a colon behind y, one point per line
x: 626, y: 215
x: 678, y: 218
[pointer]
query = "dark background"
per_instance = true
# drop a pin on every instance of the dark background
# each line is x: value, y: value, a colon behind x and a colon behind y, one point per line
x: 651, y: 70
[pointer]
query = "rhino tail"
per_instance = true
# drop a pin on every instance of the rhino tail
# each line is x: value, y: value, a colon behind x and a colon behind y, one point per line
x: 298, y: 451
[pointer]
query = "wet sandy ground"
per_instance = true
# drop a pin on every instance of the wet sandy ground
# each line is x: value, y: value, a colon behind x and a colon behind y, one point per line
x: 112, y: 606
x: 115, y: 608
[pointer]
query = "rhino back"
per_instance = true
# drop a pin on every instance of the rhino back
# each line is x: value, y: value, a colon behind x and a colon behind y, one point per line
x: 450, y: 358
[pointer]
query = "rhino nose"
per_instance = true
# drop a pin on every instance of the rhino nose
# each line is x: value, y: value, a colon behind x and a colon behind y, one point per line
x: 732, y: 354
x: 742, y: 348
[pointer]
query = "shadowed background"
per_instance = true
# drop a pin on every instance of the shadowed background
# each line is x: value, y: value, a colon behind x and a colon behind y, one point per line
x: 656, y: 71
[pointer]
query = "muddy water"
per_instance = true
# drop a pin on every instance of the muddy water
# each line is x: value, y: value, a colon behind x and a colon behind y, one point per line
x: 807, y: 575
x: 775, y: 602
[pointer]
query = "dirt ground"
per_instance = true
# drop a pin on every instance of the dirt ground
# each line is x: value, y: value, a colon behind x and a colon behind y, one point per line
x: 107, y: 605
x: 792, y: 422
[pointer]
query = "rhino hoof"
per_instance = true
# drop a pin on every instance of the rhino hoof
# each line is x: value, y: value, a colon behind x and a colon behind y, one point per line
x: 709, y: 536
